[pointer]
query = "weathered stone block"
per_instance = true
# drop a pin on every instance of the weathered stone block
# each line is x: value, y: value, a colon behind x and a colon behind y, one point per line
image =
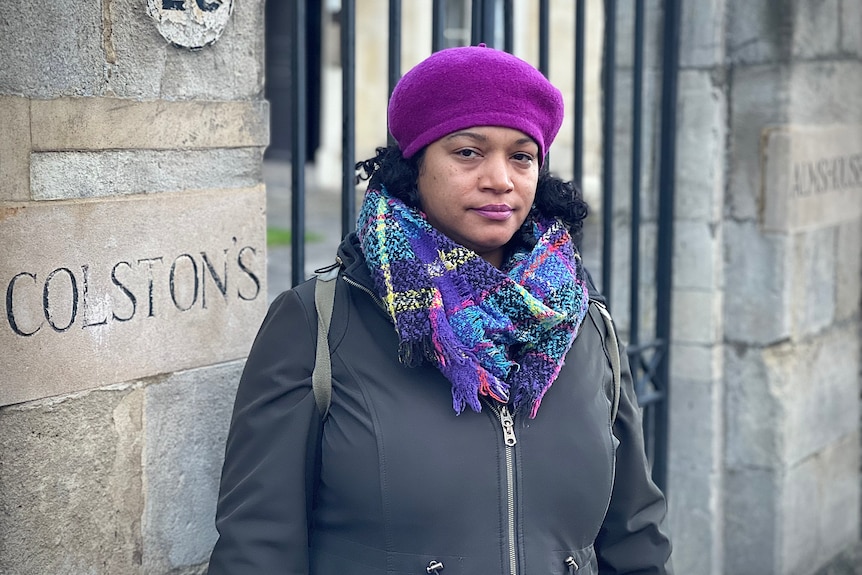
x: 848, y: 275
x: 697, y: 316
x: 150, y: 284
x: 693, y: 362
x: 67, y: 175
x: 70, y: 475
x: 694, y: 510
x: 774, y: 394
x: 186, y: 419
x: 759, y: 269
x: 146, y: 66
x: 759, y: 32
x: 51, y: 50
x: 702, y: 39
x: 14, y: 148
x: 695, y: 246
x: 814, y: 274
x: 818, y: 93
x: 797, y: 520
x: 752, y: 410
x: 116, y: 124
x: 695, y: 473
x: 760, y: 98
x: 819, y: 503
x: 839, y: 491
x: 751, y: 536
x: 815, y: 381
x: 696, y: 434
x: 792, y: 521
x: 851, y: 25
x: 700, y: 147
x: 816, y: 28
x: 755, y: 33
x: 114, y: 48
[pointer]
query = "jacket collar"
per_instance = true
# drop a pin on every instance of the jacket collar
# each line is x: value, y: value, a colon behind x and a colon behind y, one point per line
x: 353, y: 262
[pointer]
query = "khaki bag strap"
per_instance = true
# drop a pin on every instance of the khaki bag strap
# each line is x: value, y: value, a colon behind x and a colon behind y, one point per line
x: 321, y: 377
x: 614, y: 353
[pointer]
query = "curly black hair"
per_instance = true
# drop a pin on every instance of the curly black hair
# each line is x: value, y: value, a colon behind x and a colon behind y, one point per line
x: 554, y: 197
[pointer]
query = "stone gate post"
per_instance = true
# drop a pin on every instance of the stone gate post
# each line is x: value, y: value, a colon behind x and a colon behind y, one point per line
x: 768, y: 275
x: 132, y: 274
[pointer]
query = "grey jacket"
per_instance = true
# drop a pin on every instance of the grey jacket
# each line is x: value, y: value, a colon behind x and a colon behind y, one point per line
x: 393, y: 482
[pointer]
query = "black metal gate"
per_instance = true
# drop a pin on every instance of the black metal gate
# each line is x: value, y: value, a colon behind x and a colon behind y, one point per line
x: 649, y: 359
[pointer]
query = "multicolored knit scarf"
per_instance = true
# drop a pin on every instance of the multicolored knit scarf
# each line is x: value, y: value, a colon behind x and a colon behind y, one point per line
x: 498, y: 333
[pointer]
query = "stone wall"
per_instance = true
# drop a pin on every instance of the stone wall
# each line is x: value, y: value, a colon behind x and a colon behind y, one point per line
x: 132, y: 230
x: 697, y: 415
x: 794, y: 256
x: 768, y: 276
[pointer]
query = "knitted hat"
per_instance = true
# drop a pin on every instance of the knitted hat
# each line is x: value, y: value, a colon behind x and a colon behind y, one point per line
x: 471, y: 86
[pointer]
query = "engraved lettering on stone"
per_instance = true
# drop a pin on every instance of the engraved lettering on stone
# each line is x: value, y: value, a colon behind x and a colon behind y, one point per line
x: 246, y: 270
x: 827, y: 175
x: 812, y: 176
x: 173, y: 281
x: 68, y: 297
x: 128, y: 293
x: 50, y: 296
x: 10, y: 305
x: 150, y: 262
x: 87, y: 303
x: 220, y: 281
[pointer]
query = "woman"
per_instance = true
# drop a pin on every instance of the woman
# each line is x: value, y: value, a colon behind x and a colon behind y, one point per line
x: 470, y: 427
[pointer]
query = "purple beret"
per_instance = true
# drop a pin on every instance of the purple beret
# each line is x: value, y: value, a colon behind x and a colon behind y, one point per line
x: 471, y: 86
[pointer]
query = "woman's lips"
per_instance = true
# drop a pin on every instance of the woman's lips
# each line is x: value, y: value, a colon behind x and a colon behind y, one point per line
x: 497, y: 212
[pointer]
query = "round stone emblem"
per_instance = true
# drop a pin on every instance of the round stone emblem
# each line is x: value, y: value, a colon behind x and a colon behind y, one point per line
x: 190, y: 23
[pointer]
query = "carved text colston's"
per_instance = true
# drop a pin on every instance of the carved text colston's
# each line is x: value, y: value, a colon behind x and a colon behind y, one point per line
x: 80, y: 295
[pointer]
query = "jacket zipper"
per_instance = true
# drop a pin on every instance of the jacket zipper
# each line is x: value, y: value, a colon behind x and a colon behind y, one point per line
x: 507, y: 422
x: 373, y: 295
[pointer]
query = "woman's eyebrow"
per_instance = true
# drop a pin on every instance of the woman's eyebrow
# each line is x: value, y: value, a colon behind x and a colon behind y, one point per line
x: 468, y: 134
x: 482, y: 138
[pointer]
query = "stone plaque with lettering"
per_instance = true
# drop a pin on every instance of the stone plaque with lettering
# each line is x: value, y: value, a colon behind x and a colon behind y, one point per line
x: 812, y: 176
x: 127, y: 288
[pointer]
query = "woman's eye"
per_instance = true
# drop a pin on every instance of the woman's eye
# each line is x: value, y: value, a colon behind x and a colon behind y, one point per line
x: 523, y: 157
x: 467, y: 153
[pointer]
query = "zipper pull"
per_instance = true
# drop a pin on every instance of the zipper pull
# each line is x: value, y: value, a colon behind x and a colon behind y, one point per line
x: 508, y: 423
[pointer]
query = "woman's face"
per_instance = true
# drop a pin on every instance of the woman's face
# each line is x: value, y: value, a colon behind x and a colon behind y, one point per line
x: 477, y: 186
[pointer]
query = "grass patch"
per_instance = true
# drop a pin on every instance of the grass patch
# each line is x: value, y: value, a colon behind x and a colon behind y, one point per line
x: 282, y: 237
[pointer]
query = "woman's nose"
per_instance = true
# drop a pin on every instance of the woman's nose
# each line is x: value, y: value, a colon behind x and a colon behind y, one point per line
x: 495, y: 174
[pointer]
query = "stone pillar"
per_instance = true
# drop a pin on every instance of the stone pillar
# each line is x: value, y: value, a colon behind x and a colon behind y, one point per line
x: 132, y: 233
x: 793, y: 252
x: 697, y: 416
x: 768, y: 274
